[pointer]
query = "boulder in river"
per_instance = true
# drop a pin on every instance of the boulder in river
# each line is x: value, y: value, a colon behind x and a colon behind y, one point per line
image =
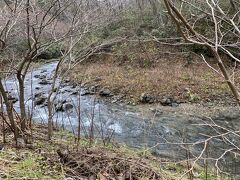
x: 168, y: 101
x: 40, y: 76
x: 59, y: 106
x: 40, y: 100
x: 118, y: 98
x: 67, y: 80
x: 44, y: 82
x: 75, y: 92
x: 105, y: 92
x: 67, y: 106
x: 146, y: 98
x: 73, y: 85
x: 38, y: 94
x: 87, y: 91
x: 43, y: 71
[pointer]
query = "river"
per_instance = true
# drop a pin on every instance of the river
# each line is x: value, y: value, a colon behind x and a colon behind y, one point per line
x: 149, y: 126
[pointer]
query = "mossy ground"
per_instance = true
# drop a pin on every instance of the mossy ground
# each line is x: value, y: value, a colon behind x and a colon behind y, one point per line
x: 96, y: 160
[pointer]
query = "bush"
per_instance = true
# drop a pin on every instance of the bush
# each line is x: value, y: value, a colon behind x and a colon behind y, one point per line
x: 199, y: 49
x: 20, y: 46
x: 51, y: 53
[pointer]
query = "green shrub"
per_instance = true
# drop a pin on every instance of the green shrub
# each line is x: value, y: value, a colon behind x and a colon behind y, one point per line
x: 199, y: 49
x: 21, y: 45
x: 50, y: 53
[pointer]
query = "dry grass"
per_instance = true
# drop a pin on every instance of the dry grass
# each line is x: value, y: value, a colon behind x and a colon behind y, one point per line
x: 162, y: 72
x: 83, y: 161
x: 63, y: 157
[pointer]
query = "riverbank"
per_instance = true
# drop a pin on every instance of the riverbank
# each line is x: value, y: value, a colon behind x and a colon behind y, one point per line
x: 160, y: 129
x: 63, y: 157
x: 151, y: 73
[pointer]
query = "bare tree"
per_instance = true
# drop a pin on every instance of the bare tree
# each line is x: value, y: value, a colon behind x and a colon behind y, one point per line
x: 217, y: 42
x: 84, y: 18
x: 9, y: 18
x: 33, y: 24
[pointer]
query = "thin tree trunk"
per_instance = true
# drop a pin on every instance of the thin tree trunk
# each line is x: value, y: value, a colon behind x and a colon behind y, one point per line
x: 50, y: 120
x: 50, y: 102
x: 9, y: 111
x: 79, y: 115
x: 3, y: 121
x: 203, y: 41
x: 22, y: 103
x: 226, y: 75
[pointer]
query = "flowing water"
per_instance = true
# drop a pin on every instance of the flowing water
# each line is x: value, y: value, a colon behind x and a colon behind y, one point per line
x: 136, y: 126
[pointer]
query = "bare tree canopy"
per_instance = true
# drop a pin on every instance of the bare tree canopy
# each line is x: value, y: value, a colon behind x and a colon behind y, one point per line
x: 77, y: 76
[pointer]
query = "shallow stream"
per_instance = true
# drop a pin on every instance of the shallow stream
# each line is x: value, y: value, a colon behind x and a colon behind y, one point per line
x: 137, y: 126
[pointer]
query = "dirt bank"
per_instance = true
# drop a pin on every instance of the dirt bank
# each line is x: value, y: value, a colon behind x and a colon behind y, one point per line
x: 149, y: 73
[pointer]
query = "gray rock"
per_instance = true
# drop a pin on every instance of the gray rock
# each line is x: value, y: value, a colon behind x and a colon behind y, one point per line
x: 42, y: 77
x: 67, y: 90
x: 44, y: 82
x: 67, y: 80
x: 13, y: 99
x: 87, y: 92
x: 73, y: 85
x: 93, y: 88
x: 67, y: 107
x: 145, y: 98
x: 116, y: 99
x: 175, y: 104
x: 59, y: 106
x: 105, y: 93
x: 74, y: 92
x: 43, y: 71
x: 168, y: 101
x: 38, y: 94
x: 40, y: 100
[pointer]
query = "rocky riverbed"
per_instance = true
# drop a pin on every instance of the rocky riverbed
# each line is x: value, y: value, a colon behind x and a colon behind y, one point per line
x: 167, y: 131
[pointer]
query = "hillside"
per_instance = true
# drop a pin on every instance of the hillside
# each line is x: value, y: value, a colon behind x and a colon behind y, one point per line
x: 132, y: 71
x: 137, y: 89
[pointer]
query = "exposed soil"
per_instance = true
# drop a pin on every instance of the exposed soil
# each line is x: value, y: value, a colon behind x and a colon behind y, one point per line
x: 158, y: 71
